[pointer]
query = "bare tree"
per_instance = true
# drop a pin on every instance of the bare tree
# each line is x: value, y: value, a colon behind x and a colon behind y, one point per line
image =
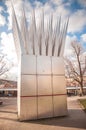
x: 76, y: 65
x: 3, y: 65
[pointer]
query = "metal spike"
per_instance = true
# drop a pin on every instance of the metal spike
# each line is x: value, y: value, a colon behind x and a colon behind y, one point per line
x: 39, y: 42
x: 47, y: 38
x: 19, y: 45
x: 50, y: 36
x: 56, y: 35
x: 58, y: 38
x: 24, y: 31
x: 64, y: 37
x: 43, y: 46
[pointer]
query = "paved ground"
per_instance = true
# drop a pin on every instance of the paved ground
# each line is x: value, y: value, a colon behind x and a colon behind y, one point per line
x: 76, y: 119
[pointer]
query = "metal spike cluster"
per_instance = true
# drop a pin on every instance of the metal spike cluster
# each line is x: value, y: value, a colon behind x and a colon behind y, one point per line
x: 48, y: 41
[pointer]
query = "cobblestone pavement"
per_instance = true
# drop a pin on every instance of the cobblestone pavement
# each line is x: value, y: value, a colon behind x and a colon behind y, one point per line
x: 76, y: 119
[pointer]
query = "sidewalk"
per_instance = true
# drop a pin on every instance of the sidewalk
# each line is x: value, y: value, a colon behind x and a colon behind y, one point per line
x: 76, y: 119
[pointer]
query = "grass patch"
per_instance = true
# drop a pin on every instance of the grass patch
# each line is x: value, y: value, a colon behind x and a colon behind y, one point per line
x: 83, y: 102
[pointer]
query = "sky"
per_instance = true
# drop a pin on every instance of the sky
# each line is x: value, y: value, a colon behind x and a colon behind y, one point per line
x: 74, y: 9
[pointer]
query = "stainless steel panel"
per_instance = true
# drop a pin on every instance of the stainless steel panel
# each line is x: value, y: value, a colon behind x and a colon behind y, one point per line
x: 28, y: 85
x: 45, y: 107
x: 59, y: 86
x: 43, y: 65
x: 60, y: 105
x: 57, y: 65
x: 18, y: 93
x: 43, y: 46
x: 50, y: 46
x: 44, y: 85
x: 28, y: 64
x: 28, y: 108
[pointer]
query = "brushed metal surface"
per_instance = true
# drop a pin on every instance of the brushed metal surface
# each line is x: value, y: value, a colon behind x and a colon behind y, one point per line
x: 57, y: 65
x: 59, y: 86
x: 43, y: 65
x: 19, y: 93
x: 28, y: 64
x: 60, y: 105
x: 28, y: 85
x: 45, y: 107
x: 44, y: 85
x: 19, y: 88
x: 28, y: 108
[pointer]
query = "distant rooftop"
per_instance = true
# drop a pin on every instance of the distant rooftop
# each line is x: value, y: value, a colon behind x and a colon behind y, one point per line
x: 7, y: 84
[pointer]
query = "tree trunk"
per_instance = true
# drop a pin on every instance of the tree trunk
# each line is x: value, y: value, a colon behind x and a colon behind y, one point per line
x: 82, y: 91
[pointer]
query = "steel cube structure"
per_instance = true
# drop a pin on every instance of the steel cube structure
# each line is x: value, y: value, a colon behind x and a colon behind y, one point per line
x: 41, y: 77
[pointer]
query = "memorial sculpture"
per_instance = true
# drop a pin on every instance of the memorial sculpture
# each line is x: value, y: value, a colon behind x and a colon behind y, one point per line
x: 41, y: 75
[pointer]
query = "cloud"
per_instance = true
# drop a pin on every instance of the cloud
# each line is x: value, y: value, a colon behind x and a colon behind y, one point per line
x: 68, y: 49
x: 77, y: 21
x: 7, y: 46
x: 2, y: 20
x: 9, y: 11
x: 82, y: 2
x: 83, y: 37
x: 56, y: 2
x: 38, y: 4
x: 12, y: 74
x: 1, y: 9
